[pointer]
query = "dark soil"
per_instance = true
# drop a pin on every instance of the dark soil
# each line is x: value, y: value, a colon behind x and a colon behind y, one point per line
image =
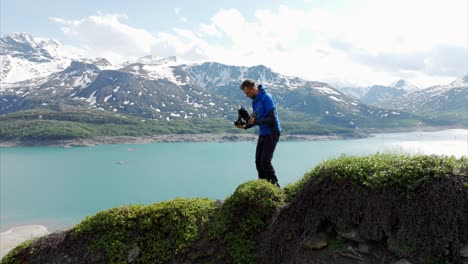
x: 430, y: 221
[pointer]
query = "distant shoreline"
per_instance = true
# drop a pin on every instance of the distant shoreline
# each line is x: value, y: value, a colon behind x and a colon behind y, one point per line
x: 166, y: 138
x: 411, y: 129
x: 206, y: 137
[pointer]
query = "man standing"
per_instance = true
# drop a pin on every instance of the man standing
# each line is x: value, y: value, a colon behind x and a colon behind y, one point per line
x: 265, y: 116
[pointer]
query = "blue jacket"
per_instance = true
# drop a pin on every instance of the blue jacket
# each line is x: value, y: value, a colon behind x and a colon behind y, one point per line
x: 265, y: 113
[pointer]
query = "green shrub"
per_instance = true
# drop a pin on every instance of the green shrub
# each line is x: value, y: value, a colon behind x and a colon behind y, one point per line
x: 161, y: 231
x: 243, y: 216
x: 380, y: 170
x: 12, y: 256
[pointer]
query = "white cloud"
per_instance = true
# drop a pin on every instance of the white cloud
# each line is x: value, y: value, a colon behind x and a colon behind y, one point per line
x: 378, y: 42
x: 209, y: 30
x: 181, y: 43
x: 104, y: 35
x: 372, y: 42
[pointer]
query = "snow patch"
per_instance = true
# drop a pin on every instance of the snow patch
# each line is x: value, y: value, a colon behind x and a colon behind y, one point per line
x: 92, y: 99
x: 15, y: 69
x: 337, y: 99
x: 326, y: 90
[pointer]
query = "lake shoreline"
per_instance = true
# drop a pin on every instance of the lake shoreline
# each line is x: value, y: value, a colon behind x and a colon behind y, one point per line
x: 205, y: 137
x: 18, y: 234
x: 166, y: 138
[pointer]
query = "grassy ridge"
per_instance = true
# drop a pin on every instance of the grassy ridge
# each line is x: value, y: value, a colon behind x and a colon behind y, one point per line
x: 382, y: 170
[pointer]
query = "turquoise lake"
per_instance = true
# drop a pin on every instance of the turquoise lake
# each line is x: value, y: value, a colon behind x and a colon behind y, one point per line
x: 58, y: 187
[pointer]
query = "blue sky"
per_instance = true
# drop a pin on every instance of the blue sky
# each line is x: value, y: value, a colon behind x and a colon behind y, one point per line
x: 360, y: 42
x: 157, y: 15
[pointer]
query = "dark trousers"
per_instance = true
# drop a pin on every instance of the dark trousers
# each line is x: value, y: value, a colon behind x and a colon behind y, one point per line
x: 265, y: 147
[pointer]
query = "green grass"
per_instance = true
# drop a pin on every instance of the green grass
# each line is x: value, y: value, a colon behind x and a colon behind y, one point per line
x: 380, y: 170
x: 12, y: 256
x: 243, y: 216
x: 161, y: 231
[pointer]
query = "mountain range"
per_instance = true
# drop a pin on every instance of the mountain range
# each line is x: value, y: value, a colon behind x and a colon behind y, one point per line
x: 439, y: 100
x: 36, y: 75
x: 377, y: 94
x: 24, y: 57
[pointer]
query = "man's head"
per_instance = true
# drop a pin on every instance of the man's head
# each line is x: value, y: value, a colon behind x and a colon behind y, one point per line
x: 249, y: 88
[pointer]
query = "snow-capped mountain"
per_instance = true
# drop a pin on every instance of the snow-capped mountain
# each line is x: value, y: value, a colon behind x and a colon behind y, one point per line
x: 438, y: 98
x: 168, y: 88
x: 155, y: 60
x: 101, y: 63
x: 460, y: 82
x: 377, y: 94
x: 154, y: 68
x: 292, y: 93
x: 22, y: 45
x: 120, y: 91
x: 23, y: 57
x: 44, y: 91
x: 404, y: 85
x: 357, y: 92
x: 184, y: 91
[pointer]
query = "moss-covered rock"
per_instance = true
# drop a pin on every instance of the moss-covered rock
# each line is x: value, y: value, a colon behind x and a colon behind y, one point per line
x: 243, y: 216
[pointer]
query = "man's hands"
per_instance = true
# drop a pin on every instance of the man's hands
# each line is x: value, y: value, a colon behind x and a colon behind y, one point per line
x: 250, y: 122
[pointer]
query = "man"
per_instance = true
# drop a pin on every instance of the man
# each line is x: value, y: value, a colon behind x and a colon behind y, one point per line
x: 265, y: 116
